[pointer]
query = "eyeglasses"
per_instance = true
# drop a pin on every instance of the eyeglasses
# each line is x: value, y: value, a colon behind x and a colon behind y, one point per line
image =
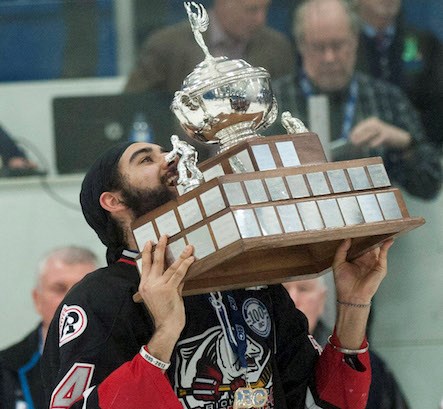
x: 319, y: 49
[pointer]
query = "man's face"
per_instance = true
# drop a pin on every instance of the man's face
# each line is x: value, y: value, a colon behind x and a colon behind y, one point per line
x: 56, y: 279
x: 242, y: 18
x: 309, y: 297
x: 386, y: 9
x: 328, y: 46
x: 147, y: 178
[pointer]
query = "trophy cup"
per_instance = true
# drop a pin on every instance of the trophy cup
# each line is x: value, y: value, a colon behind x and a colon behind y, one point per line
x: 269, y: 209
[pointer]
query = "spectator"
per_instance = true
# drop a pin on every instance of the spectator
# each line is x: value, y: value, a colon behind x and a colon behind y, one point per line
x: 237, y: 30
x: 309, y: 297
x: 368, y: 117
x: 20, y: 382
x: 211, y: 344
x: 392, y: 50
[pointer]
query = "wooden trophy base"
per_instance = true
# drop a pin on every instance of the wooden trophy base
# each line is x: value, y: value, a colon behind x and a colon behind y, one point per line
x: 273, y: 210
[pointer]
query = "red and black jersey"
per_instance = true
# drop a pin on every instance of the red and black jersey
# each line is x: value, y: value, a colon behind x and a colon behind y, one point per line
x: 91, y: 357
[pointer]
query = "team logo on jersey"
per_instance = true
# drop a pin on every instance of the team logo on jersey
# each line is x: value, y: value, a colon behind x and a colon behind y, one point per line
x: 73, y: 322
x: 257, y: 317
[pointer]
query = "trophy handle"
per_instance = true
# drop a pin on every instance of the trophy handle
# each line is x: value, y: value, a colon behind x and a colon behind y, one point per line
x: 272, y: 114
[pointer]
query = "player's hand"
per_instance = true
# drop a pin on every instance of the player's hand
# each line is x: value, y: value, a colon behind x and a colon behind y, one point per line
x: 161, y: 289
x: 357, y: 281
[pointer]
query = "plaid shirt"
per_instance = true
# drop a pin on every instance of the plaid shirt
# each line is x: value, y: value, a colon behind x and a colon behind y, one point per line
x: 417, y: 169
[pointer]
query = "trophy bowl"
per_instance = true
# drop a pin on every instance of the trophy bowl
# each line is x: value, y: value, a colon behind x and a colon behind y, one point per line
x: 223, y: 100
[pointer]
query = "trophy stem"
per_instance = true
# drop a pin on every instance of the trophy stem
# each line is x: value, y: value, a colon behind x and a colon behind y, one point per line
x: 234, y: 134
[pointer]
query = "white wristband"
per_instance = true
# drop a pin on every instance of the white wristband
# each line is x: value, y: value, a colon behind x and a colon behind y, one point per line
x: 153, y: 360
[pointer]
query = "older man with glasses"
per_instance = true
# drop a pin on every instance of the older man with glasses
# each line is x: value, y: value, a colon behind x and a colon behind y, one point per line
x: 367, y: 117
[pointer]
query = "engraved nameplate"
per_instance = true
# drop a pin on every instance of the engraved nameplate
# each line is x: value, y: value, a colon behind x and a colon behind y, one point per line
x: 277, y: 188
x: 338, y: 181
x: 234, y: 193
x: 225, y: 230
x: 310, y: 215
x: 190, y: 213
x: 212, y: 201
x: 167, y: 224
x: 290, y: 219
x: 145, y: 233
x: 174, y: 249
x: 297, y: 186
x: 268, y: 220
x: 213, y: 172
x: 318, y: 183
x: 331, y: 213
x: 359, y: 179
x: 256, y: 191
x: 288, y: 154
x: 247, y: 223
x: 263, y: 157
x: 202, y: 241
x: 241, y: 162
x: 378, y: 175
x: 370, y: 208
x: 350, y: 210
x: 389, y: 205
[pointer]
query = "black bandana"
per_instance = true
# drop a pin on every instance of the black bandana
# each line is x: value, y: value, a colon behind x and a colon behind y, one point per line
x: 101, y: 177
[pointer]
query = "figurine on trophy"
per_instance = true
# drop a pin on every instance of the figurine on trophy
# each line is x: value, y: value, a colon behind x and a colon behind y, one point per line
x: 189, y: 175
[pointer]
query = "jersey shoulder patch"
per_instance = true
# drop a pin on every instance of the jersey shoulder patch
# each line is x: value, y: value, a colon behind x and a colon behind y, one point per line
x: 73, y: 321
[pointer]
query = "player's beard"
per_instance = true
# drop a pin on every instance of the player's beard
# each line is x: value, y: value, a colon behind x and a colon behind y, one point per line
x: 142, y: 201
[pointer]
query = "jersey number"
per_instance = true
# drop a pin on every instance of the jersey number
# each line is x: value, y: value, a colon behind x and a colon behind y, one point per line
x: 72, y: 386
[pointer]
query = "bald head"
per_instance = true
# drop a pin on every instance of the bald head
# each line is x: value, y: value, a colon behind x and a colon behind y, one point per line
x: 326, y: 32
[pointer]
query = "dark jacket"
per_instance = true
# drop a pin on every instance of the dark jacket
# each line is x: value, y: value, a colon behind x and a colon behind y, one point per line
x: 20, y: 379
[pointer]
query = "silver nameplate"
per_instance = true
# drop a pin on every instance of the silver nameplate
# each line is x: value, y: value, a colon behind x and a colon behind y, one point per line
x: 190, y: 213
x: 378, y: 175
x: 268, y: 220
x: 389, y: 206
x: 225, y: 230
x: 174, y: 249
x: 167, y: 224
x: 241, y: 162
x: 310, y: 215
x: 256, y: 191
x: 288, y: 154
x: 145, y: 233
x: 318, y: 183
x: 202, y: 241
x: 263, y: 157
x: 338, y: 181
x: 247, y: 223
x: 234, y: 193
x: 370, y: 208
x: 331, y: 213
x: 212, y: 201
x: 277, y: 189
x: 213, y: 172
x: 359, y: 179
x: 290, y: 218
x: 297, y: 186
x: 350, y: 210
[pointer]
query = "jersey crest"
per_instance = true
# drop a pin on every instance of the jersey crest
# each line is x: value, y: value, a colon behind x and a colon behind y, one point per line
x: 73, y: 322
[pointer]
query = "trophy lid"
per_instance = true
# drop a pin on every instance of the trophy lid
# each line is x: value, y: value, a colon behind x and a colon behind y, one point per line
x: 214, y: 73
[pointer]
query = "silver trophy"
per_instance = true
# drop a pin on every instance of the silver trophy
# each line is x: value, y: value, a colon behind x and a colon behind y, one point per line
x: 222, y: 101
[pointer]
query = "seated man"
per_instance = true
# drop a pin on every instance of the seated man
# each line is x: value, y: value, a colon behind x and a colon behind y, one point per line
x: 368, y: 117
x: 236, y: 30
x: 20, y: 382
x: 392, y: 50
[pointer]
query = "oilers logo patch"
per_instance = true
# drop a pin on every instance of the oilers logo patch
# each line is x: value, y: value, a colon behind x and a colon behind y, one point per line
x: 257, y: 317
x: 73, y: 322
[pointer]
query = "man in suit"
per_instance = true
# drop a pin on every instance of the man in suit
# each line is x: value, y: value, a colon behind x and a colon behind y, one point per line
x: 237, y: 29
